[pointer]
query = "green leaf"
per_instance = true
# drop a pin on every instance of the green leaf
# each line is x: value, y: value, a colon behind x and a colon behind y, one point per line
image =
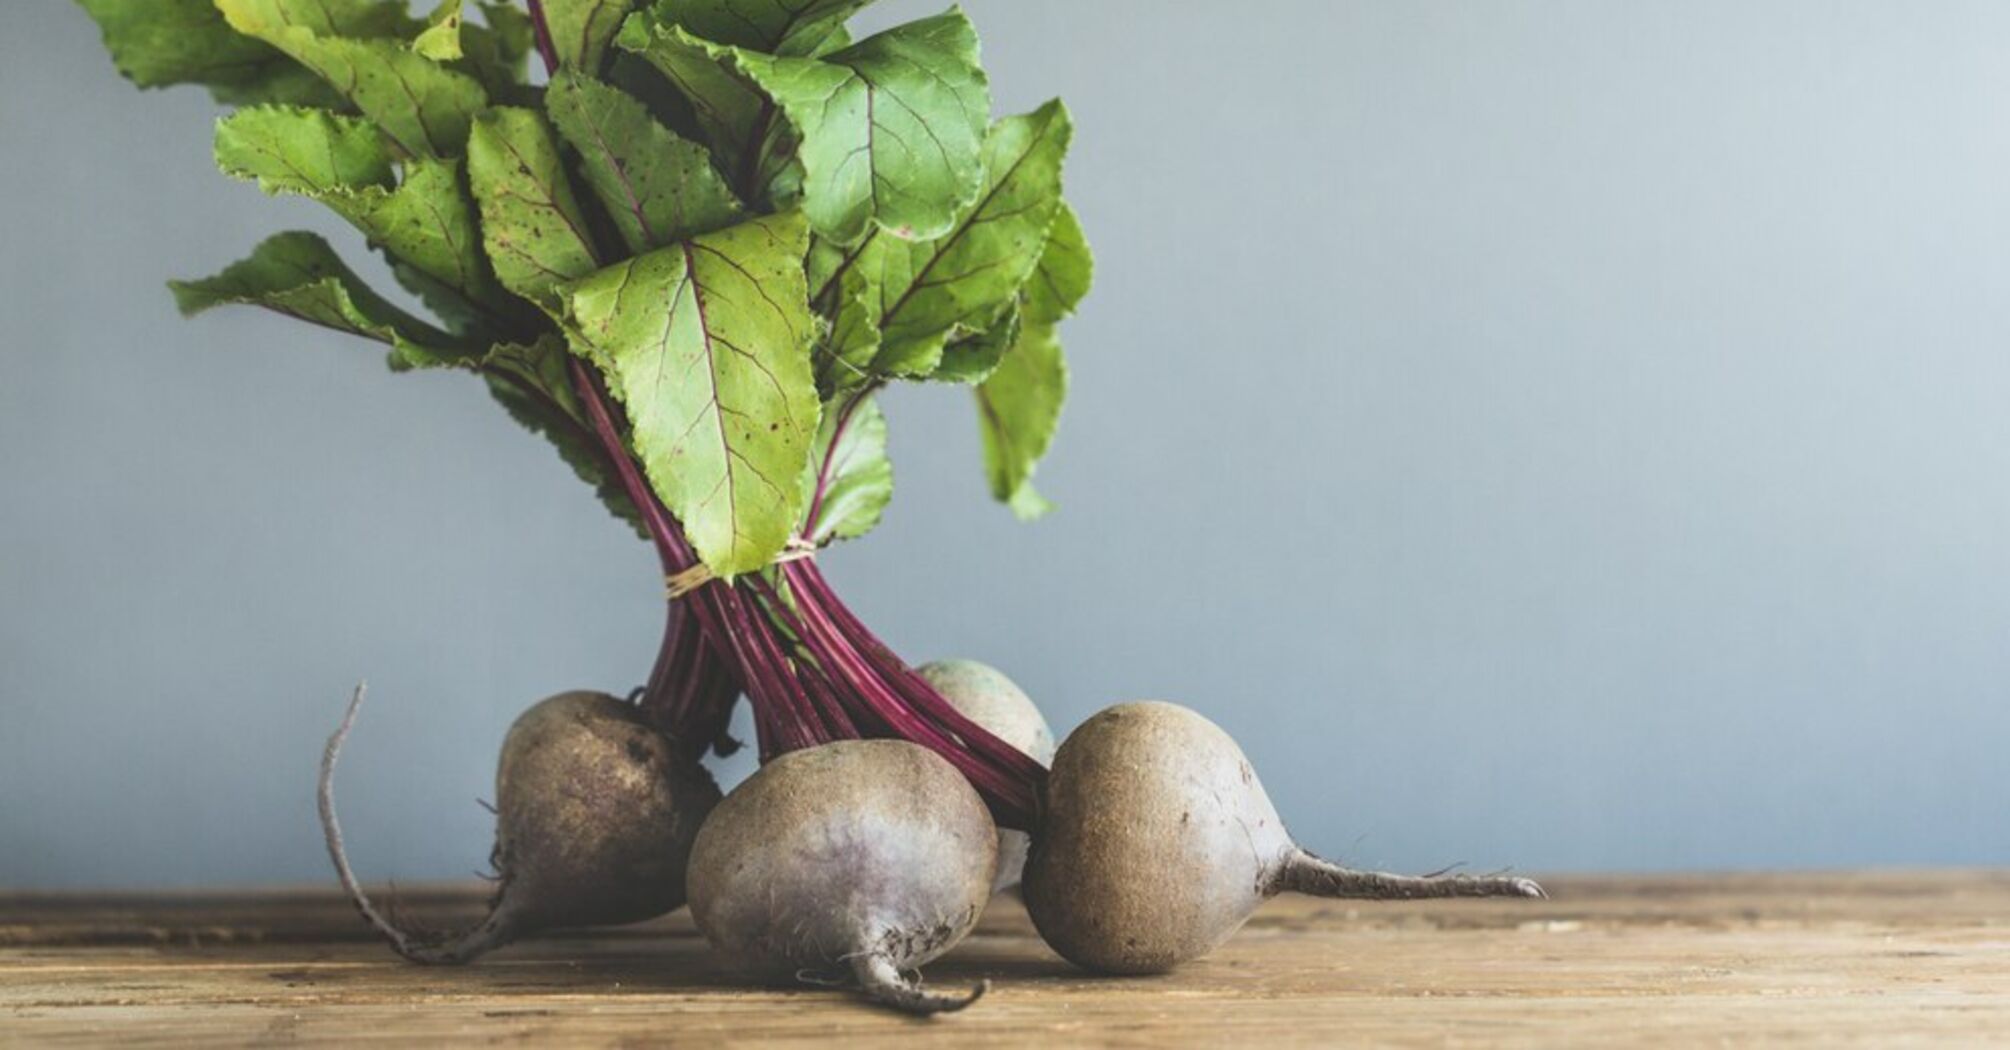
x: 582, y: 30
x: 892, y: 127
x: 425, y: 221
x: 298, y: 275
x: 1028, y: 505
x: 646, y: 84
x: 852, y: 341
x: 973, y: 358
x: 476, y: 321
x: 536, y: 235
x: 800, y: 28
x: 160, y: 43
x: 350, y: 18
x: 441, y: 39
x: 658, y: 188
x: 749, y: 144
x: 966, y: 278
x: 851, y: 467
x: 424, y: 107
x: 294, y: 150
x: 1065, y: 271
x: 844, y: 297
x: 286, y: 83
x: 497, y: 54
x: 708, y: 345
x: 534, y: 385
x: 825, y: 266
x: 429, y: 224
x: 1018, y: 408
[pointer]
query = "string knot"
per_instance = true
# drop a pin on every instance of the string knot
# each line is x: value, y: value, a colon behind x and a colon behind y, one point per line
x: 682, y: 583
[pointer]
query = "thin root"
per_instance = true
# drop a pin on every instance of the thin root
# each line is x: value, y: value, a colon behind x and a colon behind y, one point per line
x: 1304, y: 873
x: 883, y: 981
x: 492, y: 932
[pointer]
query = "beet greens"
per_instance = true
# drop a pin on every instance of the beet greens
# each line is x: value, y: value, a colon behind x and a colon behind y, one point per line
x: 690, y: 259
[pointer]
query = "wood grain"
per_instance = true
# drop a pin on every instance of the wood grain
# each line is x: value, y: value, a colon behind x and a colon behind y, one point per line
x: 1915, y: 958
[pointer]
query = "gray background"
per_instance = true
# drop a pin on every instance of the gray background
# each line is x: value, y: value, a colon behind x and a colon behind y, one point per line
x: 1566, y: 434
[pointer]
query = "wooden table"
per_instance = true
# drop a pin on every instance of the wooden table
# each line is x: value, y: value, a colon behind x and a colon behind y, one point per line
x: 1883, y: 959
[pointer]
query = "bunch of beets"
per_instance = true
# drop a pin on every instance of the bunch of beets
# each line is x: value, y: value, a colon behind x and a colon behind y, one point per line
x: 689, y: 258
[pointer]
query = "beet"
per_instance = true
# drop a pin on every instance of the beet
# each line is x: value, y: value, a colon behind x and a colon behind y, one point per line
x: 1158, y: 842
x: 857, y: 859
x: 596, y: 811
x: 985, y: 696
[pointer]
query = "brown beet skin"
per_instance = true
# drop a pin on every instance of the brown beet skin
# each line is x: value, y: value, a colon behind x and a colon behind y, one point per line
x: 1158, y: 841
x: 985, y: 696
x: 596, y: 813
x: 863, y: 856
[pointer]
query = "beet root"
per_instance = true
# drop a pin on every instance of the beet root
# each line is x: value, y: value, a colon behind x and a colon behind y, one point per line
x: 596, y: 811
x: 985, y: 696
x: 859, y: 858
x: 1158, y: 842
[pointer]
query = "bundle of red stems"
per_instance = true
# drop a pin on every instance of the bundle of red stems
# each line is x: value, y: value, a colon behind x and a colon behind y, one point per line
x: 811, y: 671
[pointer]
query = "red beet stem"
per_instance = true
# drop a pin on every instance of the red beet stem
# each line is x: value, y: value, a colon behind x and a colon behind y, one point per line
x: 831, y: 679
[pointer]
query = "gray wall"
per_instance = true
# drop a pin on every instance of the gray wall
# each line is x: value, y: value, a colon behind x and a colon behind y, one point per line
x: 1566, y: 434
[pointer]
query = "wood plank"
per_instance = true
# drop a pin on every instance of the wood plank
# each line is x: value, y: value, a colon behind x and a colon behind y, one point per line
x: 1834, y: 959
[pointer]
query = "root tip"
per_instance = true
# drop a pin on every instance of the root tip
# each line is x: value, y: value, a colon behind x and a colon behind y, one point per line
x: 493, y: 931
x: 885, y: 983
x: 976, y: 992
x: 1303, y: 872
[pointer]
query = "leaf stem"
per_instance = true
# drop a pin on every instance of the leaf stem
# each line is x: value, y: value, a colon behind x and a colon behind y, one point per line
x: 1010, y: 780
x: 842, y: 682
x: 541, y: 29
x: 821, y: 298
x: 782, y: 713
x: 845, y: 414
